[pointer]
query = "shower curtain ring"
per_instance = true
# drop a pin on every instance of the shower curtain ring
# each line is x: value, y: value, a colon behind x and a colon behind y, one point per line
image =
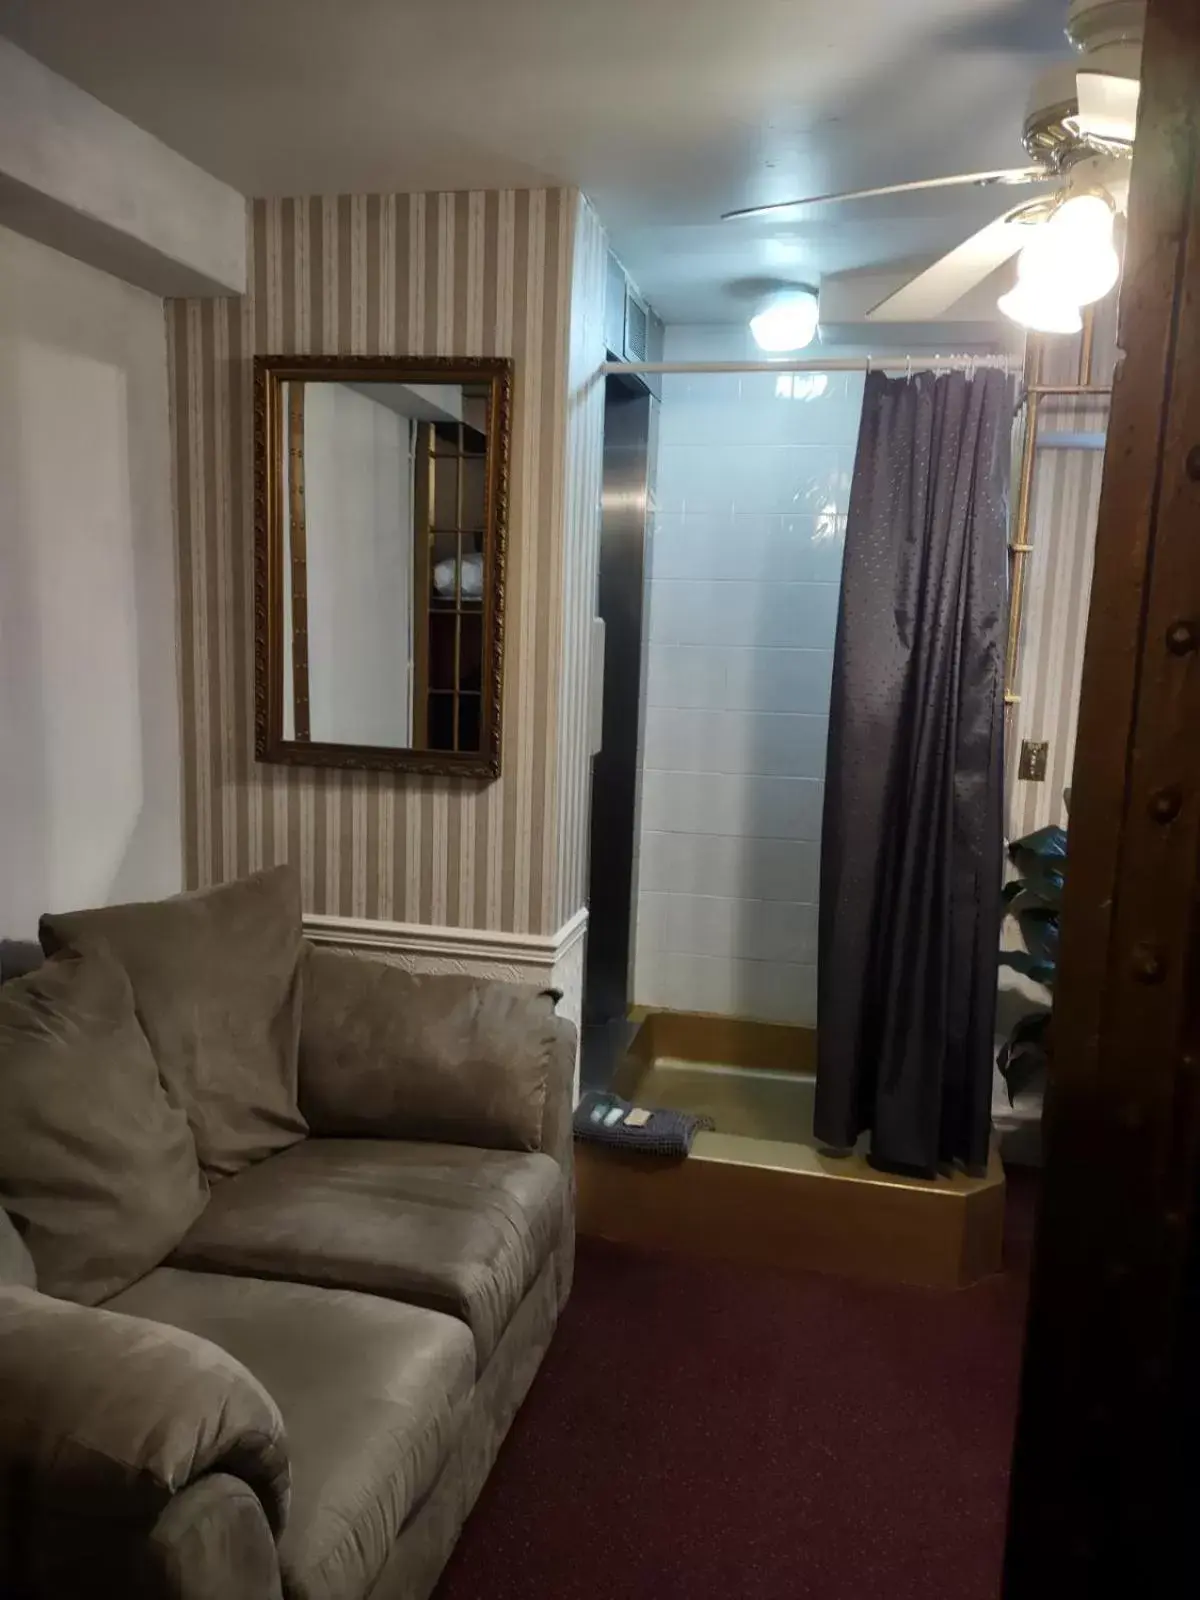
x: 908, y: 369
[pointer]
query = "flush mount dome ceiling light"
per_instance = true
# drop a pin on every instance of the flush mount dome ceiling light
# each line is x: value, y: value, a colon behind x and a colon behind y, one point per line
x: 786, y: 320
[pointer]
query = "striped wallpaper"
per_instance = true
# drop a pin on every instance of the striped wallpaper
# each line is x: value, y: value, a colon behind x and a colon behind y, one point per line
x: 1063, y: 517
x: 482, y: 273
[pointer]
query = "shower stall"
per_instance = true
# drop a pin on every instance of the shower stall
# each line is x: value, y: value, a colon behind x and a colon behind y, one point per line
x: 724, y: 518
x: 630, y: 427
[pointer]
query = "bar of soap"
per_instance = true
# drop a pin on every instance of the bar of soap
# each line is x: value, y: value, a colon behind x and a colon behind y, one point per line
x: 638, y: 1117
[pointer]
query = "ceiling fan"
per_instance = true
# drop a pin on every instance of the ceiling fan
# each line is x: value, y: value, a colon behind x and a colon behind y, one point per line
x: 1079, y: 133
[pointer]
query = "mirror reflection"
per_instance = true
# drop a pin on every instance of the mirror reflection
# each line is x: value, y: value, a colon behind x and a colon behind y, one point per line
x: 387, y: 567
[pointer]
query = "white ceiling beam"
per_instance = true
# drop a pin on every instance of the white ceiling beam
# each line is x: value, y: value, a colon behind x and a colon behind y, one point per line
x: 76, y: 176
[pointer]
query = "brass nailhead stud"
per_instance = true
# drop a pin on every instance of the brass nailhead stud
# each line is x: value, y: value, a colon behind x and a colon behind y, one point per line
x: 1147, y: 964
x: 1165, y: 804
x: 1182, y: 638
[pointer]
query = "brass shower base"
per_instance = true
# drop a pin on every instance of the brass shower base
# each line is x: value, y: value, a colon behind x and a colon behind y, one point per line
x: 758, y: 1188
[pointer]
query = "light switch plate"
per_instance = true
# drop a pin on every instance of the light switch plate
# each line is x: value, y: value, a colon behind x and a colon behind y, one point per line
x: 1035, y: 756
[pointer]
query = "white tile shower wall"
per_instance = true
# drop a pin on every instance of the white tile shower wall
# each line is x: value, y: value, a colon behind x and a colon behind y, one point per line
x: 744, y: 567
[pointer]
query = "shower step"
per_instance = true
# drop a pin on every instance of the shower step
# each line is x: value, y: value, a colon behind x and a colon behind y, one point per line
x: 758, y: 1188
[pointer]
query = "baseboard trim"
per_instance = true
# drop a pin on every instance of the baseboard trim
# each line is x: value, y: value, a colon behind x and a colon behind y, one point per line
x: 487, y: 946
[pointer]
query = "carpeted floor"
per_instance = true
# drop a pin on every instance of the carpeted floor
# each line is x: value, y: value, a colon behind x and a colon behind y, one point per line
x: 708, y: 1432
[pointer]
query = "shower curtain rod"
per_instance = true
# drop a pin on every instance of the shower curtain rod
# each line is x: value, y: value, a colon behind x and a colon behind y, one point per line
x: 833, y: 364
x: 1009, y: 364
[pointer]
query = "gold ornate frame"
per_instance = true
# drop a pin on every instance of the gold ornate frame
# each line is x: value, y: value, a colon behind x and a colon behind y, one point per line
x: 270, y: 423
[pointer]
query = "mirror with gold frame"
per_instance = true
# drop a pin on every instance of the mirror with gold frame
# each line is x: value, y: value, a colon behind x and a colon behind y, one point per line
x: 381, y: 497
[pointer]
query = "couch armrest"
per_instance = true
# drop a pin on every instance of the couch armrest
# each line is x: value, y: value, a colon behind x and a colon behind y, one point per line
x: 103, y: 1419
x: 558, y: 1138
x: 213, y: 1542
x: 394, y: 1054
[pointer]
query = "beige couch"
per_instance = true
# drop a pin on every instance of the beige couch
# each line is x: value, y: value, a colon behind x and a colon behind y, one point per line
x: 286, y: 1234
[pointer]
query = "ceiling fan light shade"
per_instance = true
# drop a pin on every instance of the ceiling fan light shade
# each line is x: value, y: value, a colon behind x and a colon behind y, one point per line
x: 1073, y: 253
x: 785, y: 321
x: 1040, y: 309
x: 1094, y: 275
x: 1081, y: 277
x: 1070, y: 261
x: 1086, y: 218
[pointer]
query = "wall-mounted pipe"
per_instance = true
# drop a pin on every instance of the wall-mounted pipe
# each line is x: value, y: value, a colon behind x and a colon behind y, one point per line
x: 1020, y: 548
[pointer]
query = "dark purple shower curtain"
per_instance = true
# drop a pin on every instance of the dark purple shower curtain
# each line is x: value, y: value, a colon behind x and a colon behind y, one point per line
x: 911, y: 850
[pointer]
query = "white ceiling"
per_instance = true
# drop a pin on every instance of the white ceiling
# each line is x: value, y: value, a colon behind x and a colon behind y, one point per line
x: 666, y: 112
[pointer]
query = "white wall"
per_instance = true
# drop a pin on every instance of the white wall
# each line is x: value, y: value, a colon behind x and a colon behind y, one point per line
x: 89, y: 696
x: 359, y: 516
x: 77, y: 176
x: 745, y: 565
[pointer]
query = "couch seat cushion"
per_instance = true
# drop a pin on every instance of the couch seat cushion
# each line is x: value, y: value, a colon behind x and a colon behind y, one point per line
x: 371, y: 1393
x: 97, y: 1169
x: 216, y: 978
x: 460, y: 1230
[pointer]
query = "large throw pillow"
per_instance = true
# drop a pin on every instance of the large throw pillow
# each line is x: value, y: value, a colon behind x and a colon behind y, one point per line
x: 394, y: 1054
x: 216, y: 980
x: 97, y: 1169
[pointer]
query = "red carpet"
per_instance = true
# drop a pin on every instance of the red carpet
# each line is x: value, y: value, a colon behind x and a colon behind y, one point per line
x: 714, y: 1433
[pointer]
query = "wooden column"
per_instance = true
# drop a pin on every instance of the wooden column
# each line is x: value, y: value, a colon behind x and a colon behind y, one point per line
x: 1104, y: 1470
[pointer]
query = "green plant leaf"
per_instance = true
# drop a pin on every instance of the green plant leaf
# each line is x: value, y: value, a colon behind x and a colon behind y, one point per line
x: 1033, y: 1028
x: 1040, y: 859
x: 1039, y: 929
x: 1034, y: 897
x: 1025, y: 1055
x: 1032, y: 966
x: 1046, y: 844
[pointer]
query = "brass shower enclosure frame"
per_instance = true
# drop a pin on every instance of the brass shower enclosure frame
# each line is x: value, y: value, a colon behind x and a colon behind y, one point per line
x: 1020, y: 548
x: 1034, y: 393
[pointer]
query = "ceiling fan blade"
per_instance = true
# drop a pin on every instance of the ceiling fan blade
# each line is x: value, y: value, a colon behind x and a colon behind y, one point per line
x: 1108, y: 106
x: 931, y: 293
x: 981, y: 180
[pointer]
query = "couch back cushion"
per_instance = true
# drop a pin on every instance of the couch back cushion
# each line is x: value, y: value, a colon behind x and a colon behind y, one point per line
x: 97, y: 1169
x: 216, y: 980
x: 394, y: 1054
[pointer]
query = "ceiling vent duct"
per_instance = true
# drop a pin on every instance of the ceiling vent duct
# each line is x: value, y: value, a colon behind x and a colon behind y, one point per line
x: 636, y: 324
x: 632, y: 332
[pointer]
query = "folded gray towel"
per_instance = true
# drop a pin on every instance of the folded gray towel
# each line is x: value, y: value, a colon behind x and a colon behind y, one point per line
x: 666, y: 1133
